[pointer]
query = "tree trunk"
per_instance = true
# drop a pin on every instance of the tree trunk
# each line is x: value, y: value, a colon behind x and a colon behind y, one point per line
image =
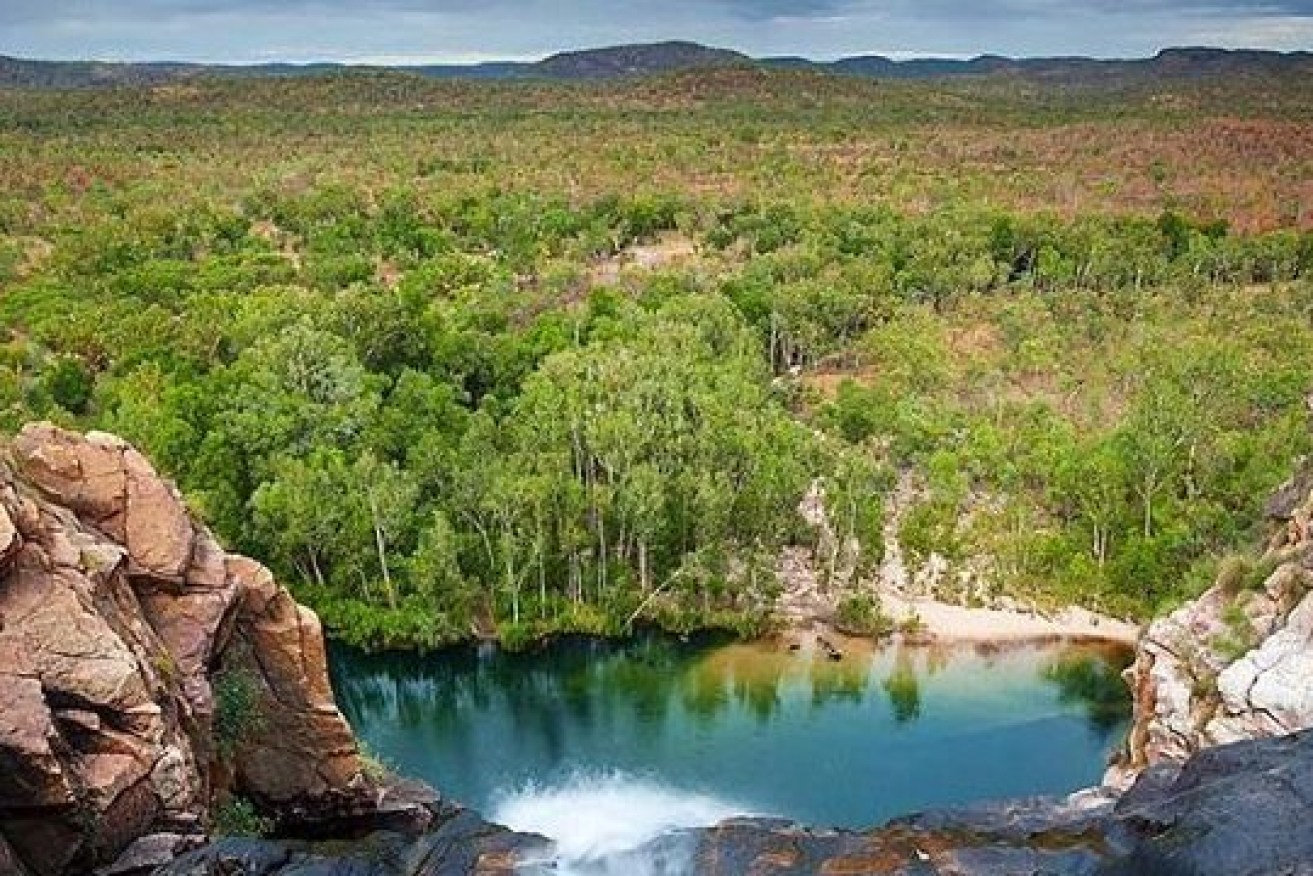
x: 314, y: 567
x: 642, y: 564
x: 1148, y: 512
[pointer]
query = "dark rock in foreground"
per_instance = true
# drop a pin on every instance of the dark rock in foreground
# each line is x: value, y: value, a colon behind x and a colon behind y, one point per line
x: 1239, y: 810
x: 463, y: 843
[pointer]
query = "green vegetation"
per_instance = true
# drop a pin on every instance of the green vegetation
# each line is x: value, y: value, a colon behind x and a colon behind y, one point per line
x: 1240, y: 636
x: 236, y: 709
x: 860, y: 614
x: 238, y: 817
x: 1096, y: 683
x: 381, y: 331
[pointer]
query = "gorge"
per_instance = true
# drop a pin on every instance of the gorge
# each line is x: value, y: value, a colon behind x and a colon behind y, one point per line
x: 154, y: 684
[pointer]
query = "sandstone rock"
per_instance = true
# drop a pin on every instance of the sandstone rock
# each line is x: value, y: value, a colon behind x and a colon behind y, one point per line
x: 86, y: 477
x: 9, y: 538
x: 33, y: 774
x: 1191, y: 687
x: 116, y: 611
x: 158, y: 531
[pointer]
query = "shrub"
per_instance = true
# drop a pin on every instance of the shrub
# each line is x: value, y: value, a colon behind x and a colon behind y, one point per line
x: 861, y: 614
x: 238, y: 817
x: 930, y: 528
x: 70, y: 384
x: 236, y: 710
x: 375, y: 767
x: 1239, y: 638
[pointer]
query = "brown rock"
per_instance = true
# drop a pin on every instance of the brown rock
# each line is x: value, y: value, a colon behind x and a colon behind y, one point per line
x: 10, y: 540
x: 116, y: 610
x: 87, y: 478
x: 33, y: 774
x: 158, y: 531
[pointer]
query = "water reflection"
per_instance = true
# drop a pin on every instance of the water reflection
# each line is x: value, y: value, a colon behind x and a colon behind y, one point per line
x: 1094, y: 682
x: 904, y: 688
x: 848, y: 742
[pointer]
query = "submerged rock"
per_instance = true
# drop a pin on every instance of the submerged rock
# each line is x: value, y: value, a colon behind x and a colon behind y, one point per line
x: 118, y: 614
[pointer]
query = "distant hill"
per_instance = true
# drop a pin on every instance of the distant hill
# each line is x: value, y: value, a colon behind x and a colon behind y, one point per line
x: 632, y: 61
x: 1169, y: 63
x: 637, y: 60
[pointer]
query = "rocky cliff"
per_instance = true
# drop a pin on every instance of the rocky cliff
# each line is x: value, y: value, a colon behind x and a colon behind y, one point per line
x: 146, y: 675
x: 1236, y: 663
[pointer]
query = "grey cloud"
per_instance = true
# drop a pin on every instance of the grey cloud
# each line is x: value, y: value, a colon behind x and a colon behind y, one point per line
x: 252, y: 30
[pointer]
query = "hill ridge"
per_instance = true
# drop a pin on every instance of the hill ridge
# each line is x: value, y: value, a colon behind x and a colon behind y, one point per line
x: 645, y: 59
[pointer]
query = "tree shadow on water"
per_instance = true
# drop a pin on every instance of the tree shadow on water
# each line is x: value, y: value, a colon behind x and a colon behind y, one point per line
x: 1094, y: 682
x: 904, y: 689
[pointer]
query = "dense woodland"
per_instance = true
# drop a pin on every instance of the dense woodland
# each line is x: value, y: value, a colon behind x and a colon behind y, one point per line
x: 531, y: 358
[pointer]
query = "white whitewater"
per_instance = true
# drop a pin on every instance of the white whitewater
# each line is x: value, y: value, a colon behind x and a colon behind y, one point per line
x: 613, y: 824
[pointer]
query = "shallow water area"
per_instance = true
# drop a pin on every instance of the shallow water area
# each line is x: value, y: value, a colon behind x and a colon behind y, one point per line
x: 609, y: 747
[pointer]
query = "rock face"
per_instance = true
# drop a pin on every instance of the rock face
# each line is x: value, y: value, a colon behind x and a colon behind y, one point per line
x: 1239, y: 810
x: 1236, y: 663
x: 461, y: 844
x: 119, y: 618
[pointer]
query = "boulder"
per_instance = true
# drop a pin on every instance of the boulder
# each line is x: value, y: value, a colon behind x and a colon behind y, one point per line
x: 118, y: 614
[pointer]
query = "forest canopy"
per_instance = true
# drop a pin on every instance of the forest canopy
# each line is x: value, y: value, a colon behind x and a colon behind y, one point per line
x: 536, y: 358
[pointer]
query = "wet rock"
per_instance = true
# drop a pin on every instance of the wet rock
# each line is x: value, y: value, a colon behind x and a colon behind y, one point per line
x: 149, y: 853
x: 1239, y: 810
x: 462, y: 845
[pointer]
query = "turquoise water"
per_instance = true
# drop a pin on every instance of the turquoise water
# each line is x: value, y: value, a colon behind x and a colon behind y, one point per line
x: 698, y: 732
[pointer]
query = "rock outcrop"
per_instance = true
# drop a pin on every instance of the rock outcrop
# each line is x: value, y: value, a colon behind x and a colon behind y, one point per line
x: 1239, y: 810
x: 120, y: 616
x: 1236, y: 663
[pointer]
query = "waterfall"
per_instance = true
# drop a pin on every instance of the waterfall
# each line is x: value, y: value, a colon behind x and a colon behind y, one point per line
x: 613, y: 824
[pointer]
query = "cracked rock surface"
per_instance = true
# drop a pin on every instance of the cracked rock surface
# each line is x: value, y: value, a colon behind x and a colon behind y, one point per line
x: 1236, y: 663
x: 118, y: 613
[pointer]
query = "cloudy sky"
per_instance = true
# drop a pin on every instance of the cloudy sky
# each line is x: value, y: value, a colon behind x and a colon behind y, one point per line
x: 406, y: 31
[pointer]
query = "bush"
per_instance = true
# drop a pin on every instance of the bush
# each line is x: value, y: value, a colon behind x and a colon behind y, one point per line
x: 860, y: 614
x: 1238, y: 573
x: 930, y: 528
x: 375, y: 767
x: 238, y: 817
x: 1240, y: 636
x: 236, y: 710
x: 70, y: 384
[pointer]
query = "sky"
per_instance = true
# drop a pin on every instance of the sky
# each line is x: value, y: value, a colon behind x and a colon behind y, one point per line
x: 453, y: 31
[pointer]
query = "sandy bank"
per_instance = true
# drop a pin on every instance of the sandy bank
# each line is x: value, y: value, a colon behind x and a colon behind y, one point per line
x: 958, y: 623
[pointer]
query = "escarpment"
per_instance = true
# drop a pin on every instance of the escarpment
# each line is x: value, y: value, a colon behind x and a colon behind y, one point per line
x: 146, y: 675
x: 1236, y: 663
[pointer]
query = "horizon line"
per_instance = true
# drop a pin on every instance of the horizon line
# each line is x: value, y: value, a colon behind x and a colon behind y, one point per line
x: 474, y: 60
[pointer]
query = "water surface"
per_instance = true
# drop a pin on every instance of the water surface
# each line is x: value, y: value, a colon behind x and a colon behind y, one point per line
x: 682, y: 734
